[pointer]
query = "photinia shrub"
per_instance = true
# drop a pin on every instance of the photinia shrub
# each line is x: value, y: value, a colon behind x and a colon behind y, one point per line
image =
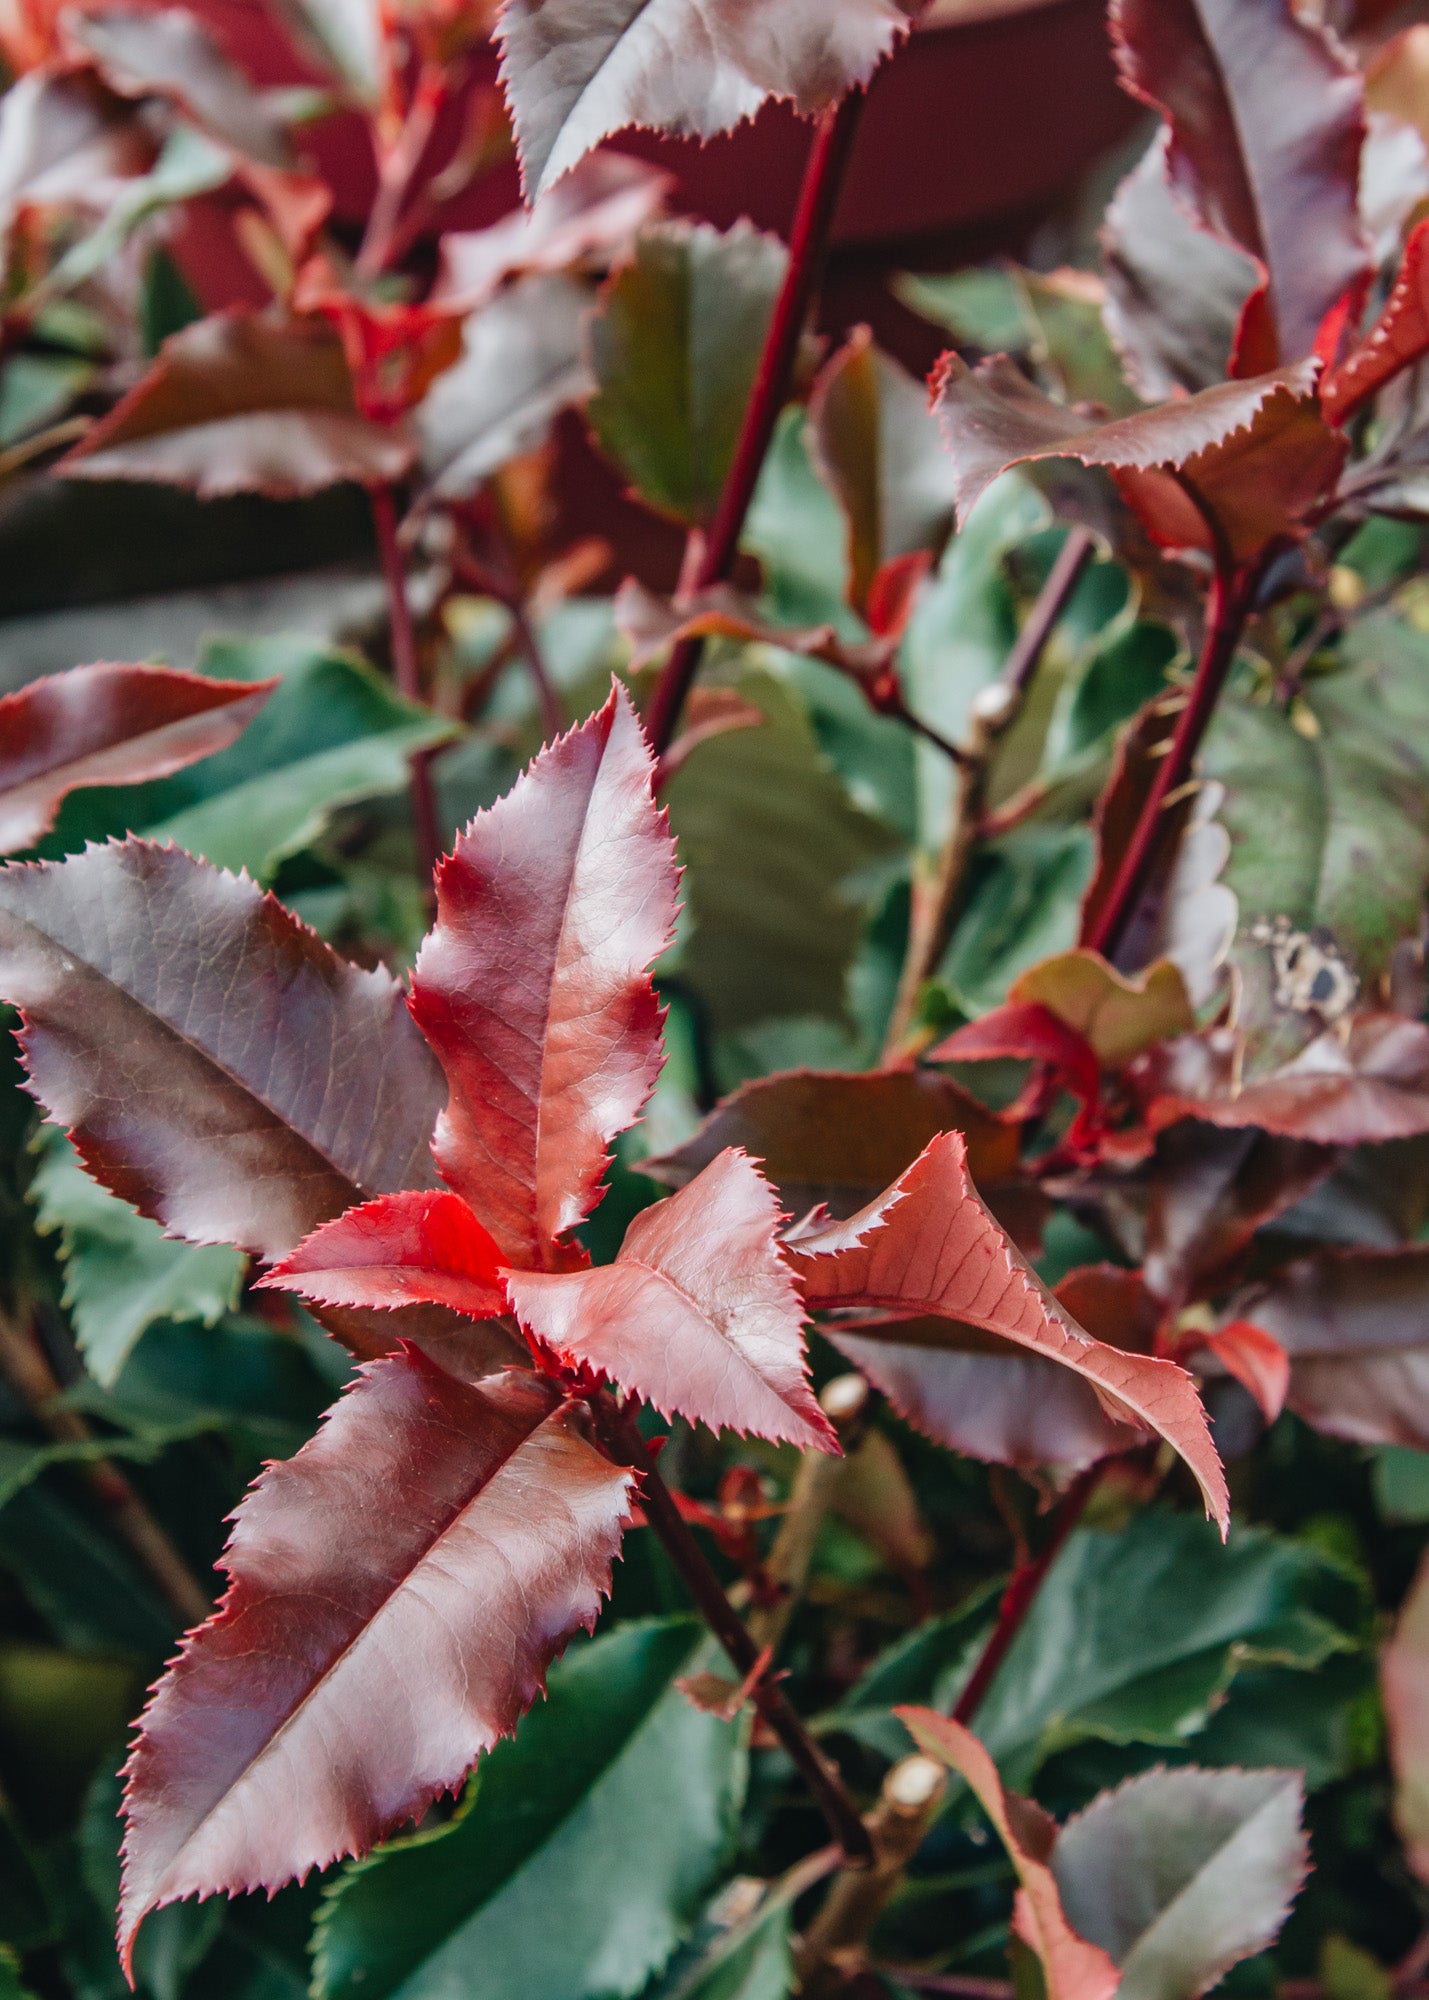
x: 781, y: 1194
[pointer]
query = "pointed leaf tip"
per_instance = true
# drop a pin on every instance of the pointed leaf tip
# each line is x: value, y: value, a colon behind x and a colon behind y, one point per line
x: 699, y: 1314
x: 401, y: 1249
x: 534, y: 989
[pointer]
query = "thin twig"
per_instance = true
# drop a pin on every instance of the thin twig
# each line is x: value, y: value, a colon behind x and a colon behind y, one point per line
x: 939, y: 905
x: 808, y: 242
x: 406, y: 672
x: 620, y: 1432
x: 481, y: 578
x: 845, y: 1402
x: 34, y: 1382
x: 399, y: 169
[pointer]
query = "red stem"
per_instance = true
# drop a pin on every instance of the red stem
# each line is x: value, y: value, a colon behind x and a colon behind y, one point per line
x: 1017, y: 1599
x: 808, y: 241
x: 406, y: 671
x: 1225, y: 617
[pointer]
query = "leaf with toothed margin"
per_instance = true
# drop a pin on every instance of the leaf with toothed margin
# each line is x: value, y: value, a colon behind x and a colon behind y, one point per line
x: 402, y: 1249
x: 927, y: 1245
x: 577, y: 70
x: 397, y: 1592
x: 698, y: 1314
x: 533, y: 988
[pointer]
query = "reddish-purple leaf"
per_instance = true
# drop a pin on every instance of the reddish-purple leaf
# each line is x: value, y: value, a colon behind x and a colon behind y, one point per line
x: 577, y: 70
x: 652, y: 625
x: 402, y: 1249
x: 1071, y: 1968
x: 1398, y: 337
x: 1355, y: 1324
x: 1258, y: 453
x: 698, y: 1314
x: 397, y: 1592
x: 1267, y: 120
x: 1027, y: 1031
x: 534, y: 990
x: 929, y: 1246
x: 1359, y: 1088
x: 838, y: 1138
x: 108, y: 725
x: 67, y: 140
x: 1257, y: 1361
x: 168, y: 52
x: 244, y: 403
x: 1404, y: 1679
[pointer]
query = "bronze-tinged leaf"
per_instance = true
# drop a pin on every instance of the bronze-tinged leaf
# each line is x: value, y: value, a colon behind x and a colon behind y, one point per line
x: 1398, y: 337
x: 1072, y: 1969
x: 402, y: 1249
x: 533, y: 989
x: 217, y: 1064
x: 1121, y: 1016
x: 1404, y: 1680
x: 1258, y: 453
x: 1266, y: 118
x: 577, y: 70
x: 1355, y: 1324
x: 928, y: 1245
x: 1344, y: 1089
x: 397, y: 1592
x: 243, y: 403
x: 698, y: 1314
x: 108, y: 724
x: 837, y: 1138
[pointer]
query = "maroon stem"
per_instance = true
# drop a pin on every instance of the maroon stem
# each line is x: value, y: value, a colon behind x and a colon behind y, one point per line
x: 406, y: 671
x: 1018, y: 1598
x: 1225, y: 617
x: 808, y: 241
x: 665, y: 1518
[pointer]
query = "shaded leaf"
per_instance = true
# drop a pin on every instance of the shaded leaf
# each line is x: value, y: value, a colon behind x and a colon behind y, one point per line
x: 576, y: 72
x: 698, y: 1314
x: 736, y: 1954
x: 1073, y: 1968
x: 674, y: 345
x: 403, y: 1249
x: 168, y: 52
x: 1179, y: 1875
x: 613, y: 1807
x: 1174, y: 291
x: 1119, y: 1016
x: 1343, y: 1089
x: 66, y: 139
x: 500, y: 1551
x: 1027, y: 1031
x: 521, y: 364
x: 772, y: 845
x: 838, y: 1138
x: 347, y: 38
x: 1257, y: 452
x: 121, y: 1272
x: 243, y: 403
x: 929, y: 1246
x: 877, y: 449
x: 108, y: 724
x: 1355, y: 1324
x: 1397, y: 338
x: 591, y: 215
x: 652, y: 625
x: 1266, y: 119
x: 1404, y: 1682
x: 533, y: 988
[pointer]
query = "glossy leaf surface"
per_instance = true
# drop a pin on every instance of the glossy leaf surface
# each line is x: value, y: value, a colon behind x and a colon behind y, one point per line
x: 698, y: 1314
x: 500, y: 1551
x: 929, y: 1246
x: 1397, y: 338
x: 108, y: 725
x: 533, y: 987
x: 614, y: 1749
x: 402, y: 1249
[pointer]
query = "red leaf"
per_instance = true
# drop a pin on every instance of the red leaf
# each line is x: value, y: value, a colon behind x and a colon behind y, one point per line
x: 1257, y: 452
x: 698, y: 1314
x: 401, y: 1249
x: 533, y: 987
x: 1257, y: 1361
x: 1267, y: 122
x: 108, y: 725
x: 929, y: 1246
x: 243, y: 403
x: 1028, y: 1032
x: 1363, y: 1089
x: 394, y: 351
x: 1398, y: 337
x: 397, y: 1593
x: 1072, y: 1968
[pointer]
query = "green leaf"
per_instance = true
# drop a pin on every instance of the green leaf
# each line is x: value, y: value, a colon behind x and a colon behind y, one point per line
x: 772, y: 846
x: 332, y: 733
x: 675, y: 346
x: 121, y: 1272
x: 578, y: 1858
x: 12, y: 1987
x: 36, y: 389
x: 735, y: 1955
x: 84, y: 1585
x: 795, y: 528
x: 929, y: 1665
x: 1401, y: 1483
x: 1024, y: 906
x: 25, y: 1916
x: 980, y: 308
